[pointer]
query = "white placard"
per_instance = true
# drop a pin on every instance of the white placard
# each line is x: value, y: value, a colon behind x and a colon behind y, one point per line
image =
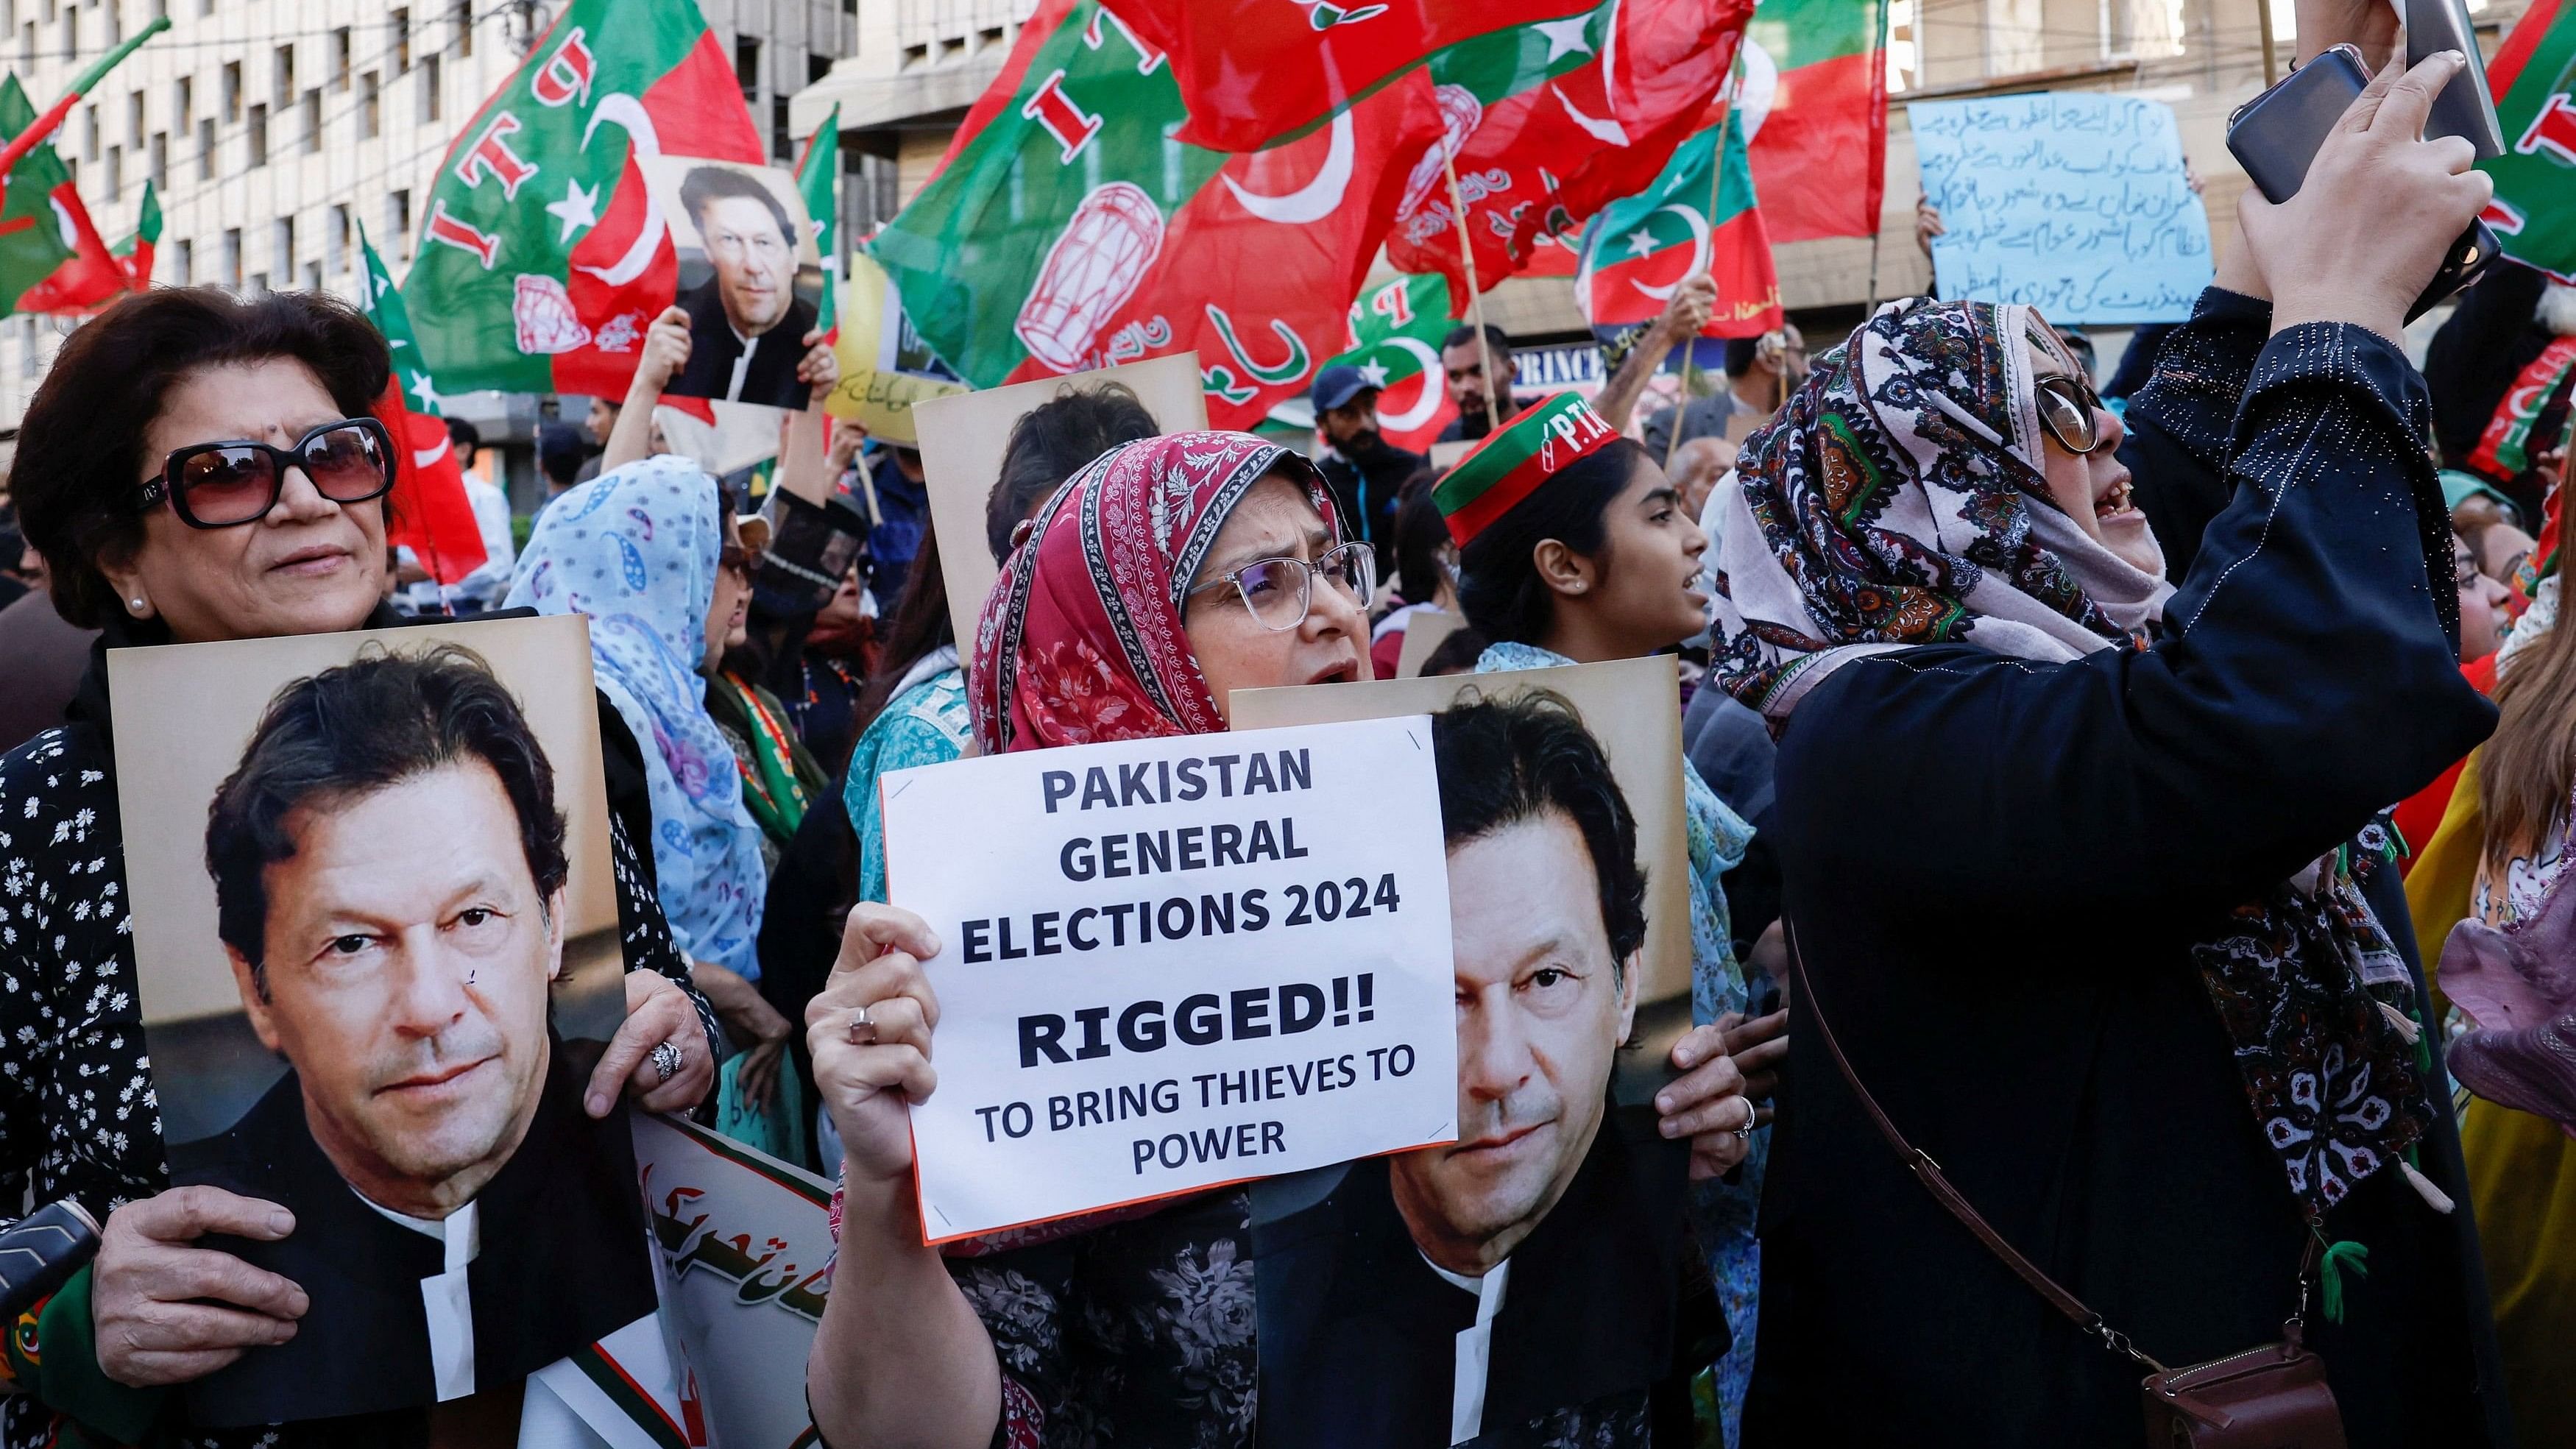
x: 1168, y: 964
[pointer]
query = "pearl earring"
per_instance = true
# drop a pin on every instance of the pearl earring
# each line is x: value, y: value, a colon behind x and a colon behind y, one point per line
x: 138, y: 605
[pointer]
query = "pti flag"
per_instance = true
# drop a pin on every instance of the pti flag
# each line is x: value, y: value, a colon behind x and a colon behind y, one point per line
x: 84, y: 274
x: 1813, y: 94
x: 1552, y: 121
x: 1252, y: 71
x: 431, y: 515
x: 1395, y: 343
x: 1637, y: 251
x: 135, y: 252
x: 818, y: 177
x: 542, y: 256
x: 1067, y: 230
x: 2534, y: 80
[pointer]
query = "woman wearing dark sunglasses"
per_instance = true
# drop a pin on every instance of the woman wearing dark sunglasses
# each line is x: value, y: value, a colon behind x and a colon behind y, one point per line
x: 200, y: 467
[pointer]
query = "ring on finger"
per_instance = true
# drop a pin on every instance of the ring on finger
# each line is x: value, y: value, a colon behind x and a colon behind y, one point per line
x: 666, y: 1061
x: 863, y: 1032
x: 1745, y: 1132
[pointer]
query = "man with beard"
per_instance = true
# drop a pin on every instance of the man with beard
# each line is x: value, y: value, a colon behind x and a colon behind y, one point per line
x: 390, y: 878
x: 1520, y: 1286
x: 1365, y: 470
x: 1465, y: 359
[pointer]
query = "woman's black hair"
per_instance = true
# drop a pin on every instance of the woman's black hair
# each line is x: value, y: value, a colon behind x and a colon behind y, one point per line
x: 1498, y: 583
x: 80, y: 447
x: 920, y: 625
x: 1050, y: 443
x: 1419, y: 533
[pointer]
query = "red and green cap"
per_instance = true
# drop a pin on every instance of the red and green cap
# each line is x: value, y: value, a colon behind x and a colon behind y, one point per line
x: 1509, y: 465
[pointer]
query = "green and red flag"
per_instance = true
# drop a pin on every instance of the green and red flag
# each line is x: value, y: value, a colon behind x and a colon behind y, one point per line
x: 135, y: 252
x: 1813, y: 95
x: 818, y: 178
x: 1549, y: 122
x: 2504, y: 448
x: 1395, y: 334
x: 431, y: 515
x: 1252, y: 71
x: 1638, y: 250
x: 1067, y: 230
x: 32, y: 244
x: 542, y: 257
x: 2533, y: 77
x: 86, y: 274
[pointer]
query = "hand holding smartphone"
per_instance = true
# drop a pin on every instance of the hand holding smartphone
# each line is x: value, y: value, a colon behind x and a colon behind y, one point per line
x: 2278, y: 135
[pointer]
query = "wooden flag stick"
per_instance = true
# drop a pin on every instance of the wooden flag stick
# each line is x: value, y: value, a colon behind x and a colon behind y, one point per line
x: 1475, y: 294
x: 1690, y: 345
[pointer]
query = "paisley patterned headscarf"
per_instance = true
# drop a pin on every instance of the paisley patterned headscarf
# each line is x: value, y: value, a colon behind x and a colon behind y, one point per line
x: 1900, y: 500
x: 1081, y: 639
x: 635, y: 549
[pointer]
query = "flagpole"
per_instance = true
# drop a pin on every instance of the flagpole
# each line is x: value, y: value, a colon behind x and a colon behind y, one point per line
x: 1690, y: 345
x: 1475, y: 294
x: 34, y: 136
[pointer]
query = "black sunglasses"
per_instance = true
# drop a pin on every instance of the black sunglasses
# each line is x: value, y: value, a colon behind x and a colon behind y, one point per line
x: 223, y: 485
x: 2067, y: 408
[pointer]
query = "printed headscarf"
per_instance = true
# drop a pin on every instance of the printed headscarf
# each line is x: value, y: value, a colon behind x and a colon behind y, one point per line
x: 1900, y: 500
x: 1081, y: 638
x: 636, y: 549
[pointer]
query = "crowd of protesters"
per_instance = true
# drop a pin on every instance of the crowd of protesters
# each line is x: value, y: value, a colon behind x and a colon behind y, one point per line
x: 2103, y: 766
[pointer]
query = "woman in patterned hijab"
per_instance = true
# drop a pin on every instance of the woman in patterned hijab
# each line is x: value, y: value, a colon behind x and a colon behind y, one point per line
x: 2148, y: 777
x: 1167, y: 574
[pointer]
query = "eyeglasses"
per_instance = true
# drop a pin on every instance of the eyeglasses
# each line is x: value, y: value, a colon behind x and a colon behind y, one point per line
x: 1278, y: 591
x: 2067, y: 408
x: 223, y: 485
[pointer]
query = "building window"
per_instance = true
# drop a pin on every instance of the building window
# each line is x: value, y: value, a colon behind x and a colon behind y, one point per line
x: 115, y: 23
x: 27, y: 367
x: 781, y: 144
x: 340, y: 59
x: 232, y: 92
x: 428, y: 89
x: 398, y: 223
x: 160, y: 160
x: 183, y: 101
x: 281, y: 248
x: 283, y: 92
x: 206, y: 149
x: 134, y: 120
x: 256, y: 134
x: 313, y: 120
x: 115, y: 172
x: 400, y: 23
x: 371, y: 112
x: 89, y: 133
x: 746, y: 67
x: 335, y: 241
x: 232, y: 276
x: 464, y: 14
x: 71, y: 33
x: 27, y: 46
x: 313, y: 276
x: 184, y: 262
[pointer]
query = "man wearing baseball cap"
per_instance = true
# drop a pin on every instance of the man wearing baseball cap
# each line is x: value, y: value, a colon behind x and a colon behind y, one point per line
x: 1365, y: 470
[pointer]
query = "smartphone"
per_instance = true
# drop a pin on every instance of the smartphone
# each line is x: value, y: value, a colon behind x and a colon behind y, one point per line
x: 2275, y: 135
x: 2464, y: 108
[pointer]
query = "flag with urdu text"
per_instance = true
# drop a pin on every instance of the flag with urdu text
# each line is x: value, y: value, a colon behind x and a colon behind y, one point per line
x: 542, y: 258
x: 2533, y: 77
x: 1637, y: 250
x: 1552, y: 121
x: 1067, y: 230
x: 1395, y: 343
x: 85, y: 274
x: 1252, y: 71
x: 818, y: 179
x: 136, y: 251
x: 431, y: 515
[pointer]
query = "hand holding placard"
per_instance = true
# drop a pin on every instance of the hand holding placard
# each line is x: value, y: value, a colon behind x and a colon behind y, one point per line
x: 1165, y: 964
x: 867, y: 1076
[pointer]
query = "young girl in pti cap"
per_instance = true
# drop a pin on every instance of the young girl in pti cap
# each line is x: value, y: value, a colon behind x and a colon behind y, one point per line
x: 1574, y: 549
